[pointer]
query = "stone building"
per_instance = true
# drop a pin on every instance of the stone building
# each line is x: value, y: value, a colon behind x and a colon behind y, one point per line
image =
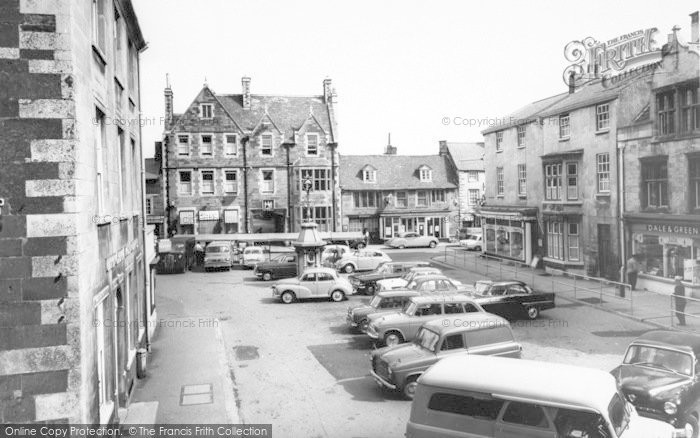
x: 155, y: 207
x: 467, y: 161
x: 238, y: 163
x: 72, y: 263
x: 660, y: 153
x: 390, y: 194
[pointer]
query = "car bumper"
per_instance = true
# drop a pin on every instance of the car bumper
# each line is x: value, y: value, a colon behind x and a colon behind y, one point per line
x: 217, y: 264
x: 372, y: 332
x: 381, y: 381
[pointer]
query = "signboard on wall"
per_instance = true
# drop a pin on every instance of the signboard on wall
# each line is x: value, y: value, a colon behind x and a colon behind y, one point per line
x: 209, y: 215
x: 187, y: 217
x: 231, y: 216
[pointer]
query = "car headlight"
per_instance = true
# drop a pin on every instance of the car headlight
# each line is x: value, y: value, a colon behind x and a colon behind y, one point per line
x: 670, y: 408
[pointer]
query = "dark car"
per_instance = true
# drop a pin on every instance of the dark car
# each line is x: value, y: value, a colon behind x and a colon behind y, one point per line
x: 358, y: 243
x: 384, y: 302
x: 367, y: 283
x: 281, y: 266
x: 660, y: 376
x: 512, y: 298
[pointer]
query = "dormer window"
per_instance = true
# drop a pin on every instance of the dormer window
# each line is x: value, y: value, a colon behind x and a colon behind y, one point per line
x: 425, y: 173
x: 312, y: 144
x: 369, y: 175
x: 206, y: 110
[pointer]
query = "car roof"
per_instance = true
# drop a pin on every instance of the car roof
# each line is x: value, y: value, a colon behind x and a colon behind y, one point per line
x: 328, y: 270
x: 544, y: 383
x: 424, y: 269
x: 398, y: 293
x: 666, y: 338
x: 220, y: 242
x: 429, y: 277
x: 439, y: 298
x: 502, y: 282
x: 466, y: 322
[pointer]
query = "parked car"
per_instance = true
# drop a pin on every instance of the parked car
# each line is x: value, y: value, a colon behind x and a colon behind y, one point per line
x: 332, y: 253
x: 362, y: 260
x: 367, y: 283
x: 660, y: 375
x: 512, y: 298
x: 395, y: 328
x: 281, y: 266
x: 438, y: 283
x: 253, y: 255
x: 400, y: 282
x: 482, y: 396
x: 312, y: 283
x: 218, y: 255
x: 399, y: 367
x: 384, y: 302
x: 412, y: 240
x: 472, y: 242
x: 355, y: 244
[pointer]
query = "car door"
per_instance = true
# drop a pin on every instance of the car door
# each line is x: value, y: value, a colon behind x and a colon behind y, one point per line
x: 324, y: 283
x: 308, y: 285
x: 424, y: 313
x: 514, y: 298
x: 290, y: 266
x: 452, y: 344
x: 411, y: 240
x: 492, y: 301
x: 524, y: 420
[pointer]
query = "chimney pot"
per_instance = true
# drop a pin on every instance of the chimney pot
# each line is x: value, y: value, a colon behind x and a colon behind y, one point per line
x: 245, y: 85
x: 694, y: 32
x: 572, y: 83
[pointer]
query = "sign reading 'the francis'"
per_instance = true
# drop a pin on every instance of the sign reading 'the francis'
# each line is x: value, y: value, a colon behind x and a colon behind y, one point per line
x: 689, y: 230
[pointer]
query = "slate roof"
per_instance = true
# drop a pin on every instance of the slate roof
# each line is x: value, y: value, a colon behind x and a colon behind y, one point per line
x: 287, y: 113
x: 527, y: 113
x: 590, y: 93
x: 395, y: 172
x: 467, y: 156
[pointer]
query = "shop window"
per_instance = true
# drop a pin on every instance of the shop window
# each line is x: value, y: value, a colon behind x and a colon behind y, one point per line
x: 654, y: 184
x: 521, y: 136
x: 694, y: 175
x: 603, y: 172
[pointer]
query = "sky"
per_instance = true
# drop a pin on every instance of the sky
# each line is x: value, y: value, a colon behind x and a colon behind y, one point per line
x: 418, y: 70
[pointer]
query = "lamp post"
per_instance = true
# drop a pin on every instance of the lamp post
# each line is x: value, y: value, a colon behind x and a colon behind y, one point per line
x: 306, y: 186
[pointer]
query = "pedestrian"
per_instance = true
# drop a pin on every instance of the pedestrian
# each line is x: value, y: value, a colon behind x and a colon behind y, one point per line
x: 679, y: 298
x: 198, y: 254
x: 632, y: 271
x: 365, y: 237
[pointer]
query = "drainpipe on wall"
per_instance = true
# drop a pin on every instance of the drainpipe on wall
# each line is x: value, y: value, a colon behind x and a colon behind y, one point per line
x: 289, y: 188
x: 622, y: 247
x: 244, y: 142
x: 333, y: 201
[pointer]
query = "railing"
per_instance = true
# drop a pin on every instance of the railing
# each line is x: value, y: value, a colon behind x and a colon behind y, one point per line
x: 650, y: 306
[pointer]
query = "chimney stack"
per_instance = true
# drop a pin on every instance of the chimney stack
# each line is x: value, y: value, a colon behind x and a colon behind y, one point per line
x: 168, y: 103
x: 572, y: 83
x: 245, y: 84
x: 443, y: 148
x: 390, y: 150
x: 327, y: 91
x: 694, y: 33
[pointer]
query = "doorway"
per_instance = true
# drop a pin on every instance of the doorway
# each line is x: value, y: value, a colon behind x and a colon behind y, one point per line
x: 607, y: 266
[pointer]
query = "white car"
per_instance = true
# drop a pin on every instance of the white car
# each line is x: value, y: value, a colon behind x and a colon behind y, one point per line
x: 333, y: 252
x: 412, y: 240
x: 398, y: 283
x: 362, y: 260
x: 472, y: 242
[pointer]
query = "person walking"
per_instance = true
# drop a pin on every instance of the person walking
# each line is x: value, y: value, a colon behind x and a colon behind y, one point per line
x: 198, y: 254
x: 679, y: 298
x: 365, y: 237
x: 632, y: 271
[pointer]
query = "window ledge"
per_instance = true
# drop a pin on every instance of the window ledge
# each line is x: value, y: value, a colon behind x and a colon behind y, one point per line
x: 603, y: 131
x: 521, y: 147
x: 602, y: 195
x: 522, y: 196
x: 563, y: 262
x: 499, y: 151
x: 100, y: 55
x: 563, y: 139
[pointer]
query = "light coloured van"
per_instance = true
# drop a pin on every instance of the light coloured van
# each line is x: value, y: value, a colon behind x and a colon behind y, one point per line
x: 481, y: 396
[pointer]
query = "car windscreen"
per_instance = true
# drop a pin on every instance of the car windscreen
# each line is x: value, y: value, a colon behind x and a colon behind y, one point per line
x: 410, y: 308
x: 619, y: 412
x: 375, y: 301
x: 427, y: 339
x: 217, y: 248
x: 660, y: 358
x: 481, y: 288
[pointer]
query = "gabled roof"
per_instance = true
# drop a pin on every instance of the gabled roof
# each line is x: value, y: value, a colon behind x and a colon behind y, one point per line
x: 287, y: 113
x: 526, y: 114
x: 467, y: 156
x: 394, y: 172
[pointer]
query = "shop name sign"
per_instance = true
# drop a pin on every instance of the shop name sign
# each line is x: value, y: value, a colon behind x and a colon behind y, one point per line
x: 674, y: 229
x: 121, y: 255
x: 209, y: 215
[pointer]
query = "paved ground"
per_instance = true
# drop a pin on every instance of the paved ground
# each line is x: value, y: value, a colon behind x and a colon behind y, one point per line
x: 297, y: 366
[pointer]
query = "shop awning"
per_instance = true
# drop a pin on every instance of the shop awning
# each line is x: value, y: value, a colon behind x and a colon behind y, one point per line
x: 509, y: 213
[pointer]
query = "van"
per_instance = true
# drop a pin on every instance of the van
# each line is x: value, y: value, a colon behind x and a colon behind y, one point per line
x: 218, y: 255
x: 481, y: 396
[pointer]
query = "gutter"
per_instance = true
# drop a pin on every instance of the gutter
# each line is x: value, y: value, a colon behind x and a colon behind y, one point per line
x: 244, y: 142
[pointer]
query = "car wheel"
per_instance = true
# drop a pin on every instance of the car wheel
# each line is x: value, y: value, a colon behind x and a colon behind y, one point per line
x: 337, y: 296
x: 432, y: 244
x: 349, y: 269
x: 363, y: 325
x: 371, y: 289
x: 691, y: 426
x: 267, y: 276
x: 402, y: 246
x: 392, y: 338
x: 409, y: 389
x: 533, y: 312
x: 288, y: 297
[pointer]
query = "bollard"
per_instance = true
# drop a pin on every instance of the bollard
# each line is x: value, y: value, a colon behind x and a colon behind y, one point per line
x: 141, y: 359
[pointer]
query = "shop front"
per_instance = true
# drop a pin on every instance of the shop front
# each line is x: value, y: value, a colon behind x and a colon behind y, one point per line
x: 427, y: 224
x: 509, y: 233
x: 666, y: 246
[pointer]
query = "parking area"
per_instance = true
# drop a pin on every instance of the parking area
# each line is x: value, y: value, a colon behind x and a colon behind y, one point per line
x: 298, y: 366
